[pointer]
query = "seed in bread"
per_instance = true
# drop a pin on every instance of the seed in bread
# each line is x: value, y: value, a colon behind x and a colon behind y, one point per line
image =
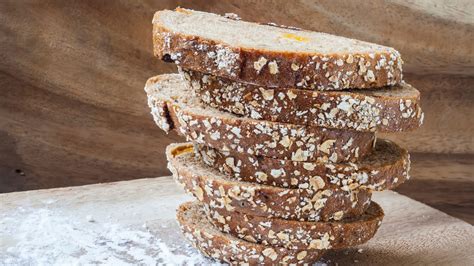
x: 289, y: 234
x: 173, y: 107
x: 386, y: 168
x: 227, y: 248
x: 269, y: 55
x: 218, y: 191
x: 387, y: 109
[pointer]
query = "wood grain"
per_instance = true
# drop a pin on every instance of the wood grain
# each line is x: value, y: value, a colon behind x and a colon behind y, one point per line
x: 448, y: 104
x: 72, y: 106
x: 73, y: 110
x: 411, y: 232
x: 444, y: 182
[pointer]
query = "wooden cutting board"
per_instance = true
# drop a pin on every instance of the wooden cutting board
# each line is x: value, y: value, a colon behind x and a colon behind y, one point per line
x: 132, y: 222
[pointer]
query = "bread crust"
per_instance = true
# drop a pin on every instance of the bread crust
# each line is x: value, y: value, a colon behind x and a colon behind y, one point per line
x: 272, y: 68
x: 226, y: 132
x: 283, y: 158
x: 226, y: 248
x: 386, y: 168
x: 214, y: 189
x: 299, y: 235
x: 379, y: 110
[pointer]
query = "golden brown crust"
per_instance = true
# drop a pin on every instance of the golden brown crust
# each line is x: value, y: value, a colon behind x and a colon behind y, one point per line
x: 212, y: 188
x: 217, y: 245
x: 226, y: 132
x: 388, y: 109
x: 386, y: 168
x: 299, y: 235
x: 277, y: 68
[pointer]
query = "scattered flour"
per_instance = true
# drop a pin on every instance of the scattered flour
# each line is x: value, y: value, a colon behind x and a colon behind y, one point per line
x: 90, y: 219
x: 49, y: 237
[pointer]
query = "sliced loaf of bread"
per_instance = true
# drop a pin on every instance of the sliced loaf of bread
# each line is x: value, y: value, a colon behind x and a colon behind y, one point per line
x: 227, y: 248
x: 387, y: 109
x: 173, y: 106
x: 386, y: 168
x: 219, y: 192
x: 289, y: 234
x: 271, y: 56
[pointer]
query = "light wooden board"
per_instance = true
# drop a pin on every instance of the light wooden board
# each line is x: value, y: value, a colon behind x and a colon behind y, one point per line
x: 133, y: 222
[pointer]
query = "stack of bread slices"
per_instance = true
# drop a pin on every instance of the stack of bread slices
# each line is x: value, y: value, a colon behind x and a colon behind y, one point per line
x: 283, y: 157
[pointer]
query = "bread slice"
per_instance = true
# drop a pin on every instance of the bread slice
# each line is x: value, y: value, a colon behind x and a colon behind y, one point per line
x: 386, y: 168
x: 224, y: 247
x: 387, y: 109
x: 218, y: 191
x: 299, y: 235
x: 174, y: 107
x: 271, y: 56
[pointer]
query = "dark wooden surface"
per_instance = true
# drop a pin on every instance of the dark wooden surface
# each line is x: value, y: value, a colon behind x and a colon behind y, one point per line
x: 444, y: 182
x: 73, y: 110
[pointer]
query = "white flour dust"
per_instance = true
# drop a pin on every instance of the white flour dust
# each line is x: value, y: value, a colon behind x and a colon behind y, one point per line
x: 48, y: 237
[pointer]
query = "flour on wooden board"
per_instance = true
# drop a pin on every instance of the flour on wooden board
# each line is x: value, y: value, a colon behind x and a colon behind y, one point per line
x: 49, y: 237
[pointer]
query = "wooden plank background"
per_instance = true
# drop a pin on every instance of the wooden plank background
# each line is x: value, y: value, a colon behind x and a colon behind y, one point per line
x: 73, y: 110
